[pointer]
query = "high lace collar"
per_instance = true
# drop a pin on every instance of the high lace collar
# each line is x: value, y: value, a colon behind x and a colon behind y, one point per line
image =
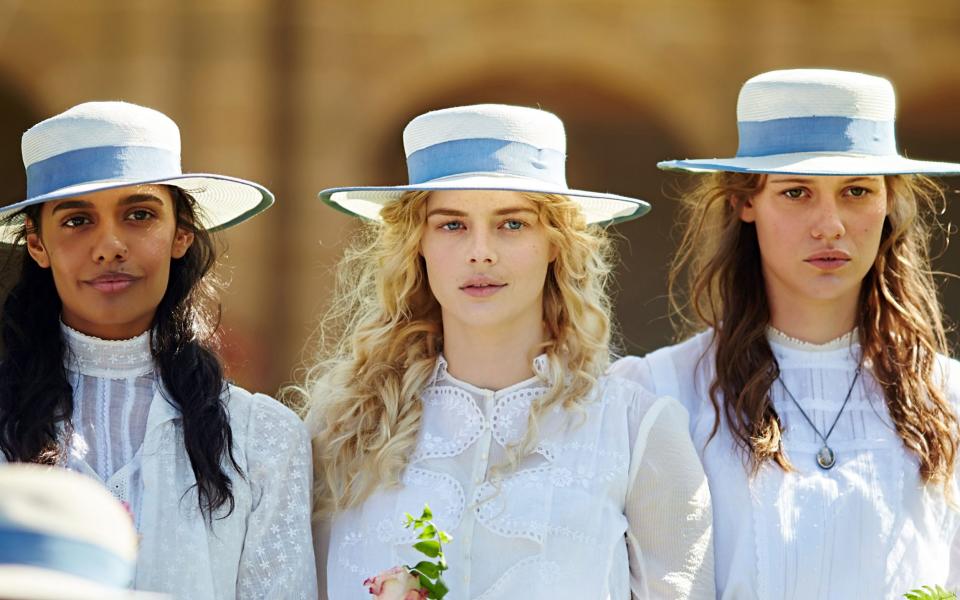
x: 115, y: 359
x: 540, y: 370
x: 844, y: 341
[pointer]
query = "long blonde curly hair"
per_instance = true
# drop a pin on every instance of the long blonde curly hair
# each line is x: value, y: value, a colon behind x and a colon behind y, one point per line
x: 379, y: 342
x: 716, y: 281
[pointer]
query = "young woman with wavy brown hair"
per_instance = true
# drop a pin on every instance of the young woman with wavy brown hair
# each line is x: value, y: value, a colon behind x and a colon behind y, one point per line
x: 467, y: 372
x: 821, y: 397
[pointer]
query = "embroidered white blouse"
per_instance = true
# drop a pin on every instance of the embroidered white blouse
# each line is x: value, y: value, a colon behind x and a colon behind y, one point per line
x: 611, y: 506
x: 867, y: 528
x: 129, y: 437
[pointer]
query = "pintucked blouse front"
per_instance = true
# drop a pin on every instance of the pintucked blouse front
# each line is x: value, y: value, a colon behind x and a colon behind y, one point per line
x: 613, y: 501
x: 866, y: 528
x: 130, y: 437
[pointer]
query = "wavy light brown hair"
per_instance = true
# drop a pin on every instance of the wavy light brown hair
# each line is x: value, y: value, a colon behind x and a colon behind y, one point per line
x: 716, y: 281
x: 379, y: 342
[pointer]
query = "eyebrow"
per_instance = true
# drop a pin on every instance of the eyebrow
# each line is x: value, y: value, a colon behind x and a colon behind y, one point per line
x: 450, y: 212
x: 807, y: 180
x: 131, y: 199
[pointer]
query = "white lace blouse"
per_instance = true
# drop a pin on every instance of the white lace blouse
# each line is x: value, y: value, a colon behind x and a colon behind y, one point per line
x: 129, y: 437
x: 611, y: 506
x: 866, y: 528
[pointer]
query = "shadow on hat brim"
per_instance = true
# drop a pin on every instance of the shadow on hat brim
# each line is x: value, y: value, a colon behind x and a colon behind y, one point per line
x: 599, y: 208
x: 33, y: 583
x: 222, y: 201
x: 815, y: 163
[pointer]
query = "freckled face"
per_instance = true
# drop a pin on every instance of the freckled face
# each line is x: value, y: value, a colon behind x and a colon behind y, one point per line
x: 109, y: 253
x: 818, y: 236
x: 487, y: 256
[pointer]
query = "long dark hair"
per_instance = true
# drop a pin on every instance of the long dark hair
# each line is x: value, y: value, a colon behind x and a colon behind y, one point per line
x: 36, y: 398
x: 717, y: 281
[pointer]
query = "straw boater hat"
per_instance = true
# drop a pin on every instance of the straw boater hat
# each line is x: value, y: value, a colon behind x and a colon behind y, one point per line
x: 63, y: 537
x: 97, y: 146
x: 486, y: 147
x: 816, y: 122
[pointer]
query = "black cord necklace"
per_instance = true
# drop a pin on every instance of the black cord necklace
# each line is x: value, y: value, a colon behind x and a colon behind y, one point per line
x: 826, y: 457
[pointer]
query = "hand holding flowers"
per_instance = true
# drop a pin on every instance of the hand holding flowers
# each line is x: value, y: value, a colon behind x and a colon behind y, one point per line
x: 423, y: 580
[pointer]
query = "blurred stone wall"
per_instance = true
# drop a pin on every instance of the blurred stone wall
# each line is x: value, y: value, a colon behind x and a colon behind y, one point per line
x: 301, y: 95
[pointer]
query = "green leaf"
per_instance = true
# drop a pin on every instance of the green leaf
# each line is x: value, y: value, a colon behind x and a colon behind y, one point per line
x: 428, y: 568
x: 427, y: 513
x: 428, y: 532
x: 930, y: 593
x: 440, y: 589
x: 435, y: 589
x: 429, y: 547
x: 445, y: 537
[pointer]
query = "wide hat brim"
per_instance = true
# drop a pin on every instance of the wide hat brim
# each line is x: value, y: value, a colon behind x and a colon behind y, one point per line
x: 222, y: 201
x: 815, y: 163
x: 33, y: 583
x: 599, y: 208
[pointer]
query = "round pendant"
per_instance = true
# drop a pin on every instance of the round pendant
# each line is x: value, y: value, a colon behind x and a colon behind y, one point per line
x: 825, y: 458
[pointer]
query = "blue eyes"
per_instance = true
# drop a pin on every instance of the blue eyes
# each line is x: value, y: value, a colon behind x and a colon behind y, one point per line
x: 509, y: 225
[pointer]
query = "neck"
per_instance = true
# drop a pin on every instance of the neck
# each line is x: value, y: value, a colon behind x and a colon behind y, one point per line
x: 488, y: 358
x: 106, y: 331
x: 816, y: 322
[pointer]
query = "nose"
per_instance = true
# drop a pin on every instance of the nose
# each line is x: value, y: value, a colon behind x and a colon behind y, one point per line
x: 827, y: 225
x: 109, y: 246
x: 481, y: 247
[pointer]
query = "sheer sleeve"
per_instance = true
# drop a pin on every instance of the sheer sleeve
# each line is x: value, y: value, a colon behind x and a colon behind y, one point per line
x: 668, y: 510
x: 277, y: 559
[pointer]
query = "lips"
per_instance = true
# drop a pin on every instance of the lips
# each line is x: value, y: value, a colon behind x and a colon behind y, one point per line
x: 828, y: 260
x: 481, y: 286
x: 112, y: 282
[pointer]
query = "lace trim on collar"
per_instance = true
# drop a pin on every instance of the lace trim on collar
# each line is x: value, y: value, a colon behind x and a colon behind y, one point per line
x: 844, y: 341
x: 114, y: 359
x: 540, y: 368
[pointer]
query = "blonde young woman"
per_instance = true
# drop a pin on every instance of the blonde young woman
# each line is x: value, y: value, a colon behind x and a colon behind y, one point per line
x: 820, y: 396
x: 469, y: 376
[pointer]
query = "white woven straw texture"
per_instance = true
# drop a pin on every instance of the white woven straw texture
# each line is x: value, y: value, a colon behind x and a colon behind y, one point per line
x: 816, y: 93
x: 532, y: 126
x: 61, y: 503
x: 96, y: 124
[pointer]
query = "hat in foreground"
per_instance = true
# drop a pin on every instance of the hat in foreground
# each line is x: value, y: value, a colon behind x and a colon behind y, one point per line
x: 816, y: 122
x: 63, y: 537
x: 486, y: 147
x: 97, y: 146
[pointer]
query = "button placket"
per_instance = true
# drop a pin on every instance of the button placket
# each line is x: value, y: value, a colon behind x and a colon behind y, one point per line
x: 478, y: 477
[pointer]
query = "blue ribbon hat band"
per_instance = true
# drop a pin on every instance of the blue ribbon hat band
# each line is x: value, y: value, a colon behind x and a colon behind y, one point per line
x: 816, y: 134
x: 101, y: 163
x: 65, y: 555
x: 480, y: 155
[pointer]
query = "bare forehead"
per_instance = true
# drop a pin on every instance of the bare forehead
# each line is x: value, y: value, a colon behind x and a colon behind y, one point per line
x: 477, y: 203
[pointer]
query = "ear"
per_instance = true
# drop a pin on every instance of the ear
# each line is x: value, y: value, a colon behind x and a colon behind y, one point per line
x: 35, y: 245
x: 554, y: 252
x: 748, y: 214
x: 181, y: 242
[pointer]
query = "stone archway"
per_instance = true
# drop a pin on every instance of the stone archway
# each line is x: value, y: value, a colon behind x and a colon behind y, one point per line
x: 613, y: 144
